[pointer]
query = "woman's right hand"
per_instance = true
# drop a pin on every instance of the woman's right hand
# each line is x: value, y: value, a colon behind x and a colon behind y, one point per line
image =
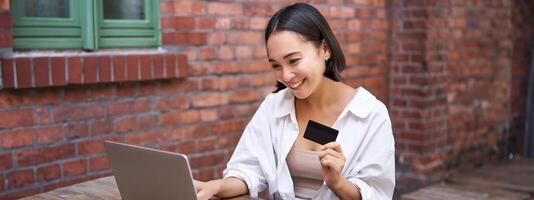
x: 206, y: 190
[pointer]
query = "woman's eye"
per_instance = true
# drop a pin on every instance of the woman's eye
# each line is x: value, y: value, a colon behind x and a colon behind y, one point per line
x: 294, y: 61
x: 275, y: 66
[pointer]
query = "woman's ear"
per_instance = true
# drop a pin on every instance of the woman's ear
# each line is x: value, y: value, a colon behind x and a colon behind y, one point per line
x: 325, y: 50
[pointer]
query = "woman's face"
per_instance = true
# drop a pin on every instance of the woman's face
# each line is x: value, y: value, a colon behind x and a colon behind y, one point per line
x: 296, y: 63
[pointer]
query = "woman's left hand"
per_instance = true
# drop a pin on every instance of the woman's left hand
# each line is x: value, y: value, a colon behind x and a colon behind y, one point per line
x: 332, y: 162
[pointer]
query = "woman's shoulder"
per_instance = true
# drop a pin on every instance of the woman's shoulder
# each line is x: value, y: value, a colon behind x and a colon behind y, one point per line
x: 366, y: 104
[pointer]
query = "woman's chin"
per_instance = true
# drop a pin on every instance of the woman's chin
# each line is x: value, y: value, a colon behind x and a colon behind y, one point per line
x: 300, y: 94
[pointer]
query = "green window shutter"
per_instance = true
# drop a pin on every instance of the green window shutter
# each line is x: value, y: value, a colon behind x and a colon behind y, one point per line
x: 37, y: 32
x: 121, y: 30
x: 83, y: 25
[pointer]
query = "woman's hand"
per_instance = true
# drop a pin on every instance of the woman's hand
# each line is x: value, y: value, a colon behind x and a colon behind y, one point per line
x: 206, y: 190
x: 332, y: 163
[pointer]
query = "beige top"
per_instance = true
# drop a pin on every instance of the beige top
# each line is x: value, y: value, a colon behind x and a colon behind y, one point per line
x: 306, y: 173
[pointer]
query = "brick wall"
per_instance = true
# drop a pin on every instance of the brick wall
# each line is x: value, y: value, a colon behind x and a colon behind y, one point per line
x: 447, y: 69
x: 457, y: 85
x: 52, y: 131
x: 523, y: 32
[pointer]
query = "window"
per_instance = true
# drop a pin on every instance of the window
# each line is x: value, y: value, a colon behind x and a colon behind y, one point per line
x: 85, y: 24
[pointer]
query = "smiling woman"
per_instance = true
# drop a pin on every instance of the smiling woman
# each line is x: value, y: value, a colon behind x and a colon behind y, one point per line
x: 275, y: 158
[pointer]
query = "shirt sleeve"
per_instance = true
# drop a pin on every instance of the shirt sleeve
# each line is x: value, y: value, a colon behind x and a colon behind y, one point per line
x: 374, y: 171
x: 245, y: 163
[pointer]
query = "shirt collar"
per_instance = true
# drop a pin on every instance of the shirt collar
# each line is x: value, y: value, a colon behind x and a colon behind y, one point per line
x: 360, y: 106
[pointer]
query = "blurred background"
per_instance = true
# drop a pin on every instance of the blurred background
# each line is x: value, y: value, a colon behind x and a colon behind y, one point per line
x: 187, y: 75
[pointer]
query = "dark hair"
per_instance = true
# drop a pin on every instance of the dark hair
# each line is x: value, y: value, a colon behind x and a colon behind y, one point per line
x: 308, y: 22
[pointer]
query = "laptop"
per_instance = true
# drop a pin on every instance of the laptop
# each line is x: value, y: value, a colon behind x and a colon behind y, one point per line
x: 142, y: 173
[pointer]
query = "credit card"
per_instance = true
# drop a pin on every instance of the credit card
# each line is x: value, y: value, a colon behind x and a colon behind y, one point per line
x: 320, y: 133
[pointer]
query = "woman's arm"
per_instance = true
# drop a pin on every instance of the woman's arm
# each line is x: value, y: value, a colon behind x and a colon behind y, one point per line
x: 346, y: 190
x: 224, y: 188
x: 333, y: 160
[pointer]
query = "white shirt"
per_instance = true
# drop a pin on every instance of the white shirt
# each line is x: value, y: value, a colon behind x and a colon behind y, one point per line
x: 364, y: 134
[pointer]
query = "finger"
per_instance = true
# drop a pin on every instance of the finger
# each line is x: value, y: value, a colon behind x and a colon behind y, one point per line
x: 333, y: 145
x: 330, y: 152
x: 327, y: 161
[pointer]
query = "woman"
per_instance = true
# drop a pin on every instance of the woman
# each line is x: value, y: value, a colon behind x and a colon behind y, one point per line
x: 273, y: 156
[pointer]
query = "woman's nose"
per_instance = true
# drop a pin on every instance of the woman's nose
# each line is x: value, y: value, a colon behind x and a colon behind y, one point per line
x: 287, y: 75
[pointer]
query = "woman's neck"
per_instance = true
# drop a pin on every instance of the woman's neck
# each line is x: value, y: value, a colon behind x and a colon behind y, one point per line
x: 327, y: 92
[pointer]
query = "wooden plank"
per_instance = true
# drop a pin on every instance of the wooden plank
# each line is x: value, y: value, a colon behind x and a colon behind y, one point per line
x: 472, y: 192
x: 517, y: 175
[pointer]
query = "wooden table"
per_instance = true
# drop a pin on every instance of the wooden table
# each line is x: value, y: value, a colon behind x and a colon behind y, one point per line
x: 103, y: 188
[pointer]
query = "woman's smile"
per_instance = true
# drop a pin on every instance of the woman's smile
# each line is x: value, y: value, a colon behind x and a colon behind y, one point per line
x: 296, y: 85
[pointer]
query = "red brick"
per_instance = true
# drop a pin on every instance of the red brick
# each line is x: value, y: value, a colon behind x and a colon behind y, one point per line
x: 41, y: 116
x: 74, y: 70
x: 2, y: 183
x: 45, y: 96
x: 6, y: 162
x: 226, y: 53
x: 245, y: 96
x: 207, y: 53
x: 126, y: 125
x: 205, y: 23
x: 205, y: 160
x: 44, y: 154
x: 171, y: 65
x: 119, y: 68
x: 101, y: 92
x: 75, y: 94
x: 104, y: 68
x: 71, y: 113
x: 207, y: 115
x: 8, y: 73
x: 245, y: 37
x: 209, y: 99
x: 6, y: 39
x: 226, y: 127
x: 48, y: 135
x: 184, y: 38
x: 146, y: 67
x: 132, y: 68
x: 170, y: 103
x: 41, y: 69
x: 89, y: 69
x: 5, y: 19
x: 128, y: 107
x: 158, y: 66
x: 206, y: 144
x: 126, y: 90
x: 57, y: 65
x: 20, y: 178
x: 15, y: 118
x: 48, y: 173
x: 216, y: 38
x: 225, y: 9
x: 182, y: 66
x: 148, y: 137
x: 73, y: 131
x: 73, y: 168
x: 258, y: 9
x: 24, y: 72
x: 199, y: 8
x: 177, y: 22
x: 180, y: 118
x: 98, y: 163
x: 187, y: 147
x: 90, y: 147
x: 148, y: 122
x: 101, y: 127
